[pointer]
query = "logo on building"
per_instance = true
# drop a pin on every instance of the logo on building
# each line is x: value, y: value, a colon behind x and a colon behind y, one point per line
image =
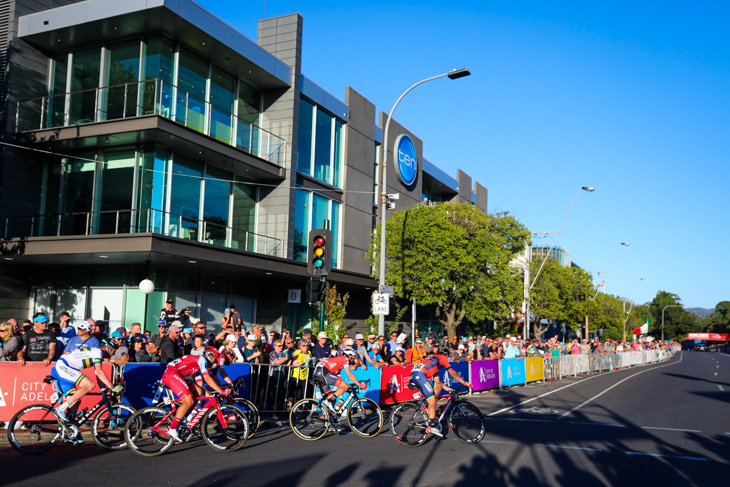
x: 406, y: 161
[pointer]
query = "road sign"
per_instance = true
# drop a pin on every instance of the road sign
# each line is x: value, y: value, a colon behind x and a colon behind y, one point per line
x: 381, y: 304
x: 387, y: 290
x: 295, y: 296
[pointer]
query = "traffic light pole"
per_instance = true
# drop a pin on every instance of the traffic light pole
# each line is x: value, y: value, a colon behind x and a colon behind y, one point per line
x: 322, y: 305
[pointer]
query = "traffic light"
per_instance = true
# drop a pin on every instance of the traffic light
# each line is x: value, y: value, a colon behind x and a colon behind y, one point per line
x: 319, y: 250
x: 315, y: 291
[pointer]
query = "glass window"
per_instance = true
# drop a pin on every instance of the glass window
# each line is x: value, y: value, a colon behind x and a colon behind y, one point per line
x: 304, y: 141
x: 123, y: 75
x: 243, y: 220
x: 247, y: 131
x: 211, y: 311
x: 302, y: 210
x: 337, y: 156
x: 191, y: 81
x: 222, y: 86
x: 320, y: 210
x: 152, y: 191
x: 216, y: 284
x: 215, y: 206
x: 116, y: 182
x: 106, y: 304
x: 335, y: 226
x: 185, y: 198
x: 183, y: 281
x: 78, y: 195
x: 73, y: 301
x: 84, y: 85
x: 57, y: 102
x: 158, y: 67
x: 52, y: 191
x: 323, y: 147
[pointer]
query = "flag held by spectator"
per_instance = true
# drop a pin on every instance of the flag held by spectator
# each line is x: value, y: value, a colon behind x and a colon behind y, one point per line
x: 643, y: 329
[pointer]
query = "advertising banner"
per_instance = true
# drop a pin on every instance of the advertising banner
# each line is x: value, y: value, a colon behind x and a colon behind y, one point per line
x: 708, y: 336
x: 485, y: 374
x: 142, y: 382
x: 461, y: 368
x: 370, y: 374
x: 534, y: 369
x: 394, y: 384
x: 513, y: 371
x: 23, y: 386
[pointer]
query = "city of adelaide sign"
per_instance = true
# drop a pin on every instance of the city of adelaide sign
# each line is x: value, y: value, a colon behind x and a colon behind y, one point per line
x: 406, y: 162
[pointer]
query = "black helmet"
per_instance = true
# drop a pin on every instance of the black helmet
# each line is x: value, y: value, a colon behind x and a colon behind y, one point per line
x: 107, y: 343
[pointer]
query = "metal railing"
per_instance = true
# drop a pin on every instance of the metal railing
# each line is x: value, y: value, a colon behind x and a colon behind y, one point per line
x: 148, y: 97
x: 275, y: 388
x: 147, y: 220
x: 556, y: 368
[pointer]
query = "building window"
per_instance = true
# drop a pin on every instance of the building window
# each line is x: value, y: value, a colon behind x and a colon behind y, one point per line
x: 319, y: 144
x: 311, y: 211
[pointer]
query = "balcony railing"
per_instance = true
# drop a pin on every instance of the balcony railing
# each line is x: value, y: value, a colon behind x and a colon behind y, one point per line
x: 149, y: 97
x: 146, y: 220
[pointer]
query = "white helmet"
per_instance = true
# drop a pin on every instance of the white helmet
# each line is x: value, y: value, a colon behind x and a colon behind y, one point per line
x: 349, y: 352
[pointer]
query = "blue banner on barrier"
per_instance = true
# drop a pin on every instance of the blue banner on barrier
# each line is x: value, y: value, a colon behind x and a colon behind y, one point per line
x: 373, y: 375
x: 513, y: 371
x: 461, y: 368
x: 141, y: 381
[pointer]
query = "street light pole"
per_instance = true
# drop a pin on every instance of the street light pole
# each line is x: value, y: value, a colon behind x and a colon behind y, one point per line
x: 590, y: 189
x: 455, y: 74
x: 626, y: 244
x: 668, y: 306
x: 626, y: 318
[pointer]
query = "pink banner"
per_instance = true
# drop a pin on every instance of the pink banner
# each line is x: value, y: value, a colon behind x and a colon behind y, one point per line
x: 708, y: 336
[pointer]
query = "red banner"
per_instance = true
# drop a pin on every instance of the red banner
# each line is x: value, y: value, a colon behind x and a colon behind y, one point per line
x: 708, y: 336
x: 23, y: 386
x: 394, y: 384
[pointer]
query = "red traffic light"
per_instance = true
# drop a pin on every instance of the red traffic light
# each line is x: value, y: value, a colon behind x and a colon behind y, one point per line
x: 319, y: 240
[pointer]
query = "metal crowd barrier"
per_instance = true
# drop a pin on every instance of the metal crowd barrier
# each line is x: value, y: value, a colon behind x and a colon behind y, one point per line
x: 275, y: 387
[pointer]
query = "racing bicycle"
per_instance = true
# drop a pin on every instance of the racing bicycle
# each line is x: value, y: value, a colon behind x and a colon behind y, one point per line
x: 36, y: 428
x: 223, y: 427
x: 409, y: 420
x: 310, y: 418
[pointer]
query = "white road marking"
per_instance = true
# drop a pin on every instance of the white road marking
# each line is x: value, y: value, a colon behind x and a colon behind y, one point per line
x: 568, y: 447
x: 615, y: 385
x: 596, y: 424
x: 665, y: 456
x: 669, y: 429
x: 541, y: 396
x: 720, y: 387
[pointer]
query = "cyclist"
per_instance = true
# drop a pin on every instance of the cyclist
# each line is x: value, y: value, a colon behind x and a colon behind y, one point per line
x: 68, y: 372
x: 184, y: 377
x: 425, y: 376
x: 327, y: 374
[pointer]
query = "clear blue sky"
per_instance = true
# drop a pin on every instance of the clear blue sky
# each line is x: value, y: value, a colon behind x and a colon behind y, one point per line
x: 630, y: 97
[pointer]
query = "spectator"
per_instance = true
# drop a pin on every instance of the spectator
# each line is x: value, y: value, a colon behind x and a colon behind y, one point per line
x: 375, y: 355
x: 227, y: 319
x: 121, y: 354
x: 289, y: 348
x: 383, y: 349
x: 454, y: 343
x: 598, y: 347
x: 428, y: 346
x: 585, y: 347
x: 300, y: 372
x: 199, y: 329
x: 138, y: 353
x: 55, y: 328
x: 168, y: 313
x: 307, y: 335
x: 460, y: 354
x: 67, y: 331
x: 17, y: 330
x: 136, y: 332
x: 392, y: 344
x: 237, y: 321
x: 575, y: 348
x: 187, y: 340
x: 185, y: 319
x: 39, y: 344
x: 362, y: 352
x: 343, y: 343
x: 251, y: 354
x: 510, y: 348
x: 83, y: 337
x: 198, y: 345
x: 405, y: 342
x: 277, y: 374
x: 371, y: 341
x: 416, y: 354
x: 100, y: 330
x: 169, y: 349
x: 231, y: 343
x: 9, y: 343
x: 398, y: 358
x: 322, y: 349
x: 490, y: 351
x: 147, y: 334
x: 157, y: 340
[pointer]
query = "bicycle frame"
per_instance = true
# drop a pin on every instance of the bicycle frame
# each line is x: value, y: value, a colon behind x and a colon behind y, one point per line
x: 77, y: 421
x: 209, y: 402
x: 352, y: 396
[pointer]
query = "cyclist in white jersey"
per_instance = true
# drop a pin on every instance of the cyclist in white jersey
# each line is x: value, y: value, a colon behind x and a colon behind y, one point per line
x: 68, y: 372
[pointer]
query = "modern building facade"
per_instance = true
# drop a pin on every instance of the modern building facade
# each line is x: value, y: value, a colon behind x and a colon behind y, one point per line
x: 151, y: 139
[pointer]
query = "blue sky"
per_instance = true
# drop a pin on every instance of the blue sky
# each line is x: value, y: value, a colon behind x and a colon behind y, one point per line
x: 630, y: 97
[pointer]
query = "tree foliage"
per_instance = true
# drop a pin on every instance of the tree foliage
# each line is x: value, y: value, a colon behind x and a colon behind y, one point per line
x: 335, y: 312
x: 455, y: 257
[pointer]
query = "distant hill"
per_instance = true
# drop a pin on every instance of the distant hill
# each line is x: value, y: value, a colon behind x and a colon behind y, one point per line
x: 701, y: 312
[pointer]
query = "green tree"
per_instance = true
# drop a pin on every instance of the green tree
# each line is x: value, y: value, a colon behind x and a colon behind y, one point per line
x: 335, y: 312
x: 719, y: 320
x: 677, y: 321
x: 455, y: 257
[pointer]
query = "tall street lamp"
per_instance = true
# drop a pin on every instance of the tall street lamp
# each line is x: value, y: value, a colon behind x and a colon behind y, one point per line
x: 590, y: 189
x: 625, y: 244
x: 626, y: 317
x: 668, y: 306
x: 454, y: 74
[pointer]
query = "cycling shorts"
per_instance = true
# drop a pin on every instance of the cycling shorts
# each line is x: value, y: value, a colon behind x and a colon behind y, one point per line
x: 325, y: 379
x: 177, y: 384
x: 68, y: 377
x: 425, y: 385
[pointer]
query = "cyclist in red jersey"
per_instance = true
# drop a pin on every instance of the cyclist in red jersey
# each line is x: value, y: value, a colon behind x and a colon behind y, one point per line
x: 327, y: 374
x: 425, y: 376
x: 182, y: 377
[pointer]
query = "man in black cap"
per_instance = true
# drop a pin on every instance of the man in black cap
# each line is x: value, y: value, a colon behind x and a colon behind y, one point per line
x: 237, y: 322
x: 168, y: 313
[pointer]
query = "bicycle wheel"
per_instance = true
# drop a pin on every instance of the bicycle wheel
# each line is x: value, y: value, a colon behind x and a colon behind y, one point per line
x: 309, y: 420
x: 408, y: 424
x: 365, y: 417
x: 251, y: 412
x: 143, y: 431
x: 467, y: 422
x: 107, y: 427
x: 34, y: 429
x: 228, y: 438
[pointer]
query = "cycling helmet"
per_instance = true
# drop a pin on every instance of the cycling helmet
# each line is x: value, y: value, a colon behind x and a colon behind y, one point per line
x: 211, y: 355
x: 226, y: 357
x: 108, y: 343
x: 349, y: 352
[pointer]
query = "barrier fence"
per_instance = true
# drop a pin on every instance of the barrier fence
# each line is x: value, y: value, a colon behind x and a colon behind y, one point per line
x: 274, y: 387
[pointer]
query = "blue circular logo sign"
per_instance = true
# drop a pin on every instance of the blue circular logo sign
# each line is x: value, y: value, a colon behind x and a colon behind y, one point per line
x: 406, y: 162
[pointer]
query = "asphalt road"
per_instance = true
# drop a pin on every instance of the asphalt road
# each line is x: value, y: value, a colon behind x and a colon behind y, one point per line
x: 665, y: 424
